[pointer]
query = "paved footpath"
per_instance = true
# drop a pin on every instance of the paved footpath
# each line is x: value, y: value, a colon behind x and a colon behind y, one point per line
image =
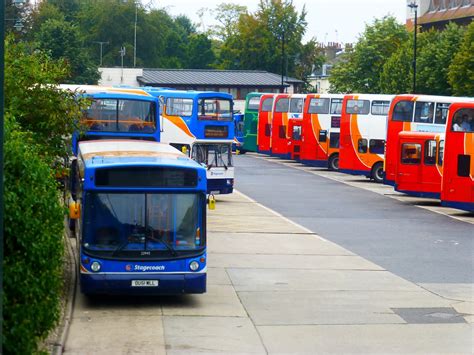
x: 274, y: 287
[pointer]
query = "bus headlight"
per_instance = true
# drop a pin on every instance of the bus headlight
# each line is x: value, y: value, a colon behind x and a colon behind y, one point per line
x: 95, y: 266
x: 194, y: 265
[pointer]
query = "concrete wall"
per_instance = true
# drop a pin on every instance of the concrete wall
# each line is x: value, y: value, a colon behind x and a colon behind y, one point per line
x: 119, y: 76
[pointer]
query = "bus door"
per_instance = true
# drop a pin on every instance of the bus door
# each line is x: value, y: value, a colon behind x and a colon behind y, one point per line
x: 409, y: 172
x: 431, y: 173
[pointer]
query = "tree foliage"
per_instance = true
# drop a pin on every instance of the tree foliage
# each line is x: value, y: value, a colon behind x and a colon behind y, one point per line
x: 33, y: 98
x: 33, y: 254
x: 38, y: 119
x: 257, y: 39
x: 461, y: 70
x: 361, y: 68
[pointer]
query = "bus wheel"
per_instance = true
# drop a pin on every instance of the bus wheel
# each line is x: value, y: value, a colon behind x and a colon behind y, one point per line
x: 333, y: 162
x: 377, y: 172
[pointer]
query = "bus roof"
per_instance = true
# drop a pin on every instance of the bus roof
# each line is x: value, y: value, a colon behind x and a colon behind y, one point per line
x: 96, y: 89
x: 434, y: 98
x: 106, y: 153
x: 371, y: 96
x: 191, y: 94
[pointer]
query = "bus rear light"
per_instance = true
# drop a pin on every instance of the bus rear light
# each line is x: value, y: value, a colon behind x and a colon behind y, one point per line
x: 95, y: 266
x: 194, y: 265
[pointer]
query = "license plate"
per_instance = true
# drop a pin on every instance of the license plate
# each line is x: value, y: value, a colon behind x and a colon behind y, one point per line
x: 144, y: 283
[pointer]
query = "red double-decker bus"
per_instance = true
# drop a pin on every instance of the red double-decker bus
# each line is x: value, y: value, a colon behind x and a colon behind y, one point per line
x: 458, y: 172
x: 320, y: 130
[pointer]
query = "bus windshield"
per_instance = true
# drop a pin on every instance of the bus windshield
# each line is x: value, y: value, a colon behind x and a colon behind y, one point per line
x: 128, y: 224
x: 213, y: 155
x: 215, y: 109
x: 115, y: 115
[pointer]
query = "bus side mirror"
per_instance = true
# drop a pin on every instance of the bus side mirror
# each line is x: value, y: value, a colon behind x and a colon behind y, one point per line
x: 212, y: 202
x: 74, y: 210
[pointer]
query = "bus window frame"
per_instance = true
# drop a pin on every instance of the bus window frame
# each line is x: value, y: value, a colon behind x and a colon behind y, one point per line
x: 298, y: 102
x: 431, y: 112
x: 251, y: 106
x: 270, y: 103
x: 182, y: 99
x: 362, y: 146
x: 412, y: 161
x: 326, y: 106
x: 119, y: 116
x: 280, y: 109
x: 411, y: 111
x: 426, y: 151
x: 385, y: 104
x: 371, y: 146
x: 337, y: 105
x: 363, y: 110
x: 440, y: 155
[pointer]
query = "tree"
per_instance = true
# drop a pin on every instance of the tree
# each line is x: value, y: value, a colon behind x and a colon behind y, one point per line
x: 228, y: 15
x: 199, y: 51
x: 62, y: 40
x: 461, y: 70
x: 32, y: 97
x: 437, y: 52
x: 258, y: 38
x: 360, y: 69
x: 39, y: 118
x: 311, y: 58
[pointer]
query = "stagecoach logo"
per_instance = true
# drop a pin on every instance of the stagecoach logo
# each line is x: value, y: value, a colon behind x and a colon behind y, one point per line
x: 128, y: 267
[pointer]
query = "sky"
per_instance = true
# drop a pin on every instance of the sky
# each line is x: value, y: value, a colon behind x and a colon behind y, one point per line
x: 328, y: 20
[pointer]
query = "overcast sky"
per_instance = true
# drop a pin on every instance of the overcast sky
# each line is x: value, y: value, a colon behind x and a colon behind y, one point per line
x: 328, y: 20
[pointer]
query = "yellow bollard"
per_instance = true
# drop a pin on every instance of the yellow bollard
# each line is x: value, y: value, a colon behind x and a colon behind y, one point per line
x: 212, y: 202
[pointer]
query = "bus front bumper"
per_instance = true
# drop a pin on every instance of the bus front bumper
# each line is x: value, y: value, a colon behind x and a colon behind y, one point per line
x: 163, y: 284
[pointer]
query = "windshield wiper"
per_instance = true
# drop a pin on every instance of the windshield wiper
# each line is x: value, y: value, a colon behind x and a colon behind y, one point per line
x: 160, y: 240
x: 134, y: 237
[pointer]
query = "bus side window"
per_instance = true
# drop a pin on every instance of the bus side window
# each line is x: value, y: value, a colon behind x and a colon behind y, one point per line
x: 441, y: 113
x: 362, y: 145
x: 376, y: 146
x: 282, y: 132
x: 334, y: 140
x: 403, y: 111
x: 268, y: 130
x: 424, y: 112
x: 430, y: 152
x: 323, y: 135
x: 440, y: 153
x: 411, y: 153
x: 464, y: 165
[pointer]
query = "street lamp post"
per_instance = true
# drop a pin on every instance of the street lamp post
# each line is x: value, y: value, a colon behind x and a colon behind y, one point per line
x: 414, y: 7
x: 282, y: 58
x: 135, y: 38
x: 101, y: 45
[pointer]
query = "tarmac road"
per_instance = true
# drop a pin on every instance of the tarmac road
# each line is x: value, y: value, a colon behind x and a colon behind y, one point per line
x: 416, y: 244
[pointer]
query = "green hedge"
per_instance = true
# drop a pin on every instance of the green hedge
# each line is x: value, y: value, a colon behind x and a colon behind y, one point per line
x: 33, y: 245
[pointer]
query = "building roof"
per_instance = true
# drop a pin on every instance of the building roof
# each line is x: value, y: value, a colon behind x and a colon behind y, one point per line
x: 439, y: 15
x: 211, y: 77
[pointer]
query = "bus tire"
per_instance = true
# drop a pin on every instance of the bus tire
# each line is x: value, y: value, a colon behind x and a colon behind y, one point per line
x: 333, y: 162
x: 377, y: 172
